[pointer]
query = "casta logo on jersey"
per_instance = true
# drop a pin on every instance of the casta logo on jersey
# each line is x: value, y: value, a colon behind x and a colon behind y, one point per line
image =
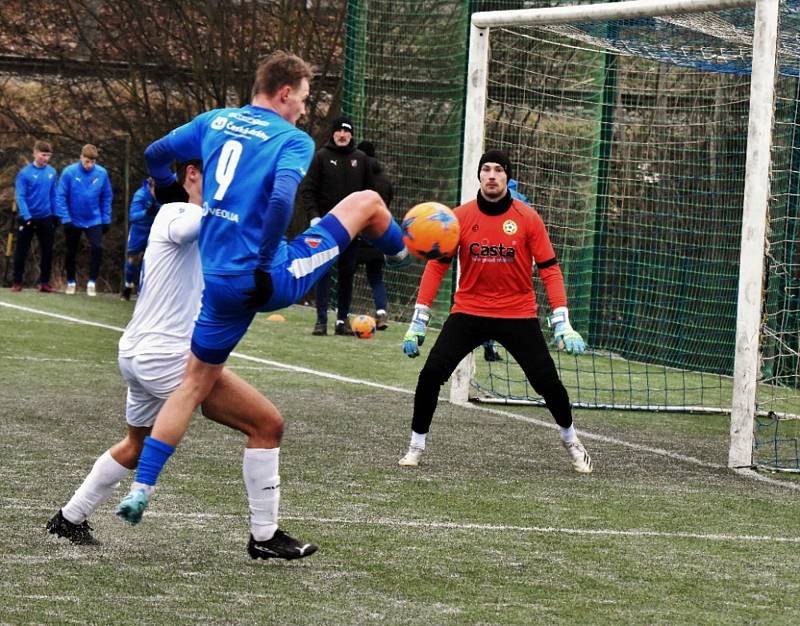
x: 219, y: 123
x: 487, y: 250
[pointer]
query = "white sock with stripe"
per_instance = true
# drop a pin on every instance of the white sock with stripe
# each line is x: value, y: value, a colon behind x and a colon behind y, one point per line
x: 263, y: 484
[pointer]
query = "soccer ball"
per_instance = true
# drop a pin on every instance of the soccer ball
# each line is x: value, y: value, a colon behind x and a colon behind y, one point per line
x: 430, y: 231
x: 363, y: 326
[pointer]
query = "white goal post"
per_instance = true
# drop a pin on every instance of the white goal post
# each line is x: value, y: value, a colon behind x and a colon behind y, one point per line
x: 757, y: 171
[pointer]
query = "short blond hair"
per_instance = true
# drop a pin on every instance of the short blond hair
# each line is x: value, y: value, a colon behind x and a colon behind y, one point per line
x: 279, y: 69
x: 90, y: 151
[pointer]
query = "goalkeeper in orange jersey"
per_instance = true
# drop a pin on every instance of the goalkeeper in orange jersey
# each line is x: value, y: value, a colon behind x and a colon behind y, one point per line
x: 500, y: 239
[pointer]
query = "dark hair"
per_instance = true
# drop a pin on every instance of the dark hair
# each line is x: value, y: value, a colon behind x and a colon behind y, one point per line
x: 279, y: 69
x: 180, y: 171
x: 42, y: 146
x: 367, y: 147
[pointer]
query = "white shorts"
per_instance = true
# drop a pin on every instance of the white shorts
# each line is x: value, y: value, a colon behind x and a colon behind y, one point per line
x: 151, y: 380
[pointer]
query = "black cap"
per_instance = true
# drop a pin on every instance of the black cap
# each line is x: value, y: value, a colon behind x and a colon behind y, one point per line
x: 496, y: 156
x: 367, y: 147
x: 342, y: 123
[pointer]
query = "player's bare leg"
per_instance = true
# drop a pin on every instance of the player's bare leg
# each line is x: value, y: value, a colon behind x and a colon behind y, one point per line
x: 237, y: 404
x: 365, y: 213
x: 169, y: 428
x: 71, y: 521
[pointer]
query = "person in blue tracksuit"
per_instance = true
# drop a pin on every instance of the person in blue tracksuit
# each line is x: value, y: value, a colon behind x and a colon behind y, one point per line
x: 35, y: 188
x: 141, y: 214
x: 83, y: 204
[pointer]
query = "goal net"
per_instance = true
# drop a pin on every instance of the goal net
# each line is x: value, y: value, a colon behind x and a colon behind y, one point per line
x: 630, y: 137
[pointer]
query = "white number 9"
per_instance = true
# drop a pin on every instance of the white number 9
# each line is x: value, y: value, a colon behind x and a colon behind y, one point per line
x: 226, y: 166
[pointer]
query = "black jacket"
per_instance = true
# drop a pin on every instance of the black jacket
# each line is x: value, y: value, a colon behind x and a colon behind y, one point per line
x: 334, y: 173
x: 382, y: 183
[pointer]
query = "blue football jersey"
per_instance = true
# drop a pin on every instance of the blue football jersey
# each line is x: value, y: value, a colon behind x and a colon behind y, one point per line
x: 242, y: 151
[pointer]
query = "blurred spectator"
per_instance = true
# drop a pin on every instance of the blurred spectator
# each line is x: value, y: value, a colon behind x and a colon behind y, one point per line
x: 368, y: 254
x: 337, y: 170
x: 141, y: 214
x: 36, y: 203
x: 83, y: 203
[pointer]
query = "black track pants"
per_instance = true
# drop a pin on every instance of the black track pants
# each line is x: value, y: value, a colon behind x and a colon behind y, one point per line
x: 461, y: 334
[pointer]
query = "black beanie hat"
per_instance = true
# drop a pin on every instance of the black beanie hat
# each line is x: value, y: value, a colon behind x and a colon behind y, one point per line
x: 342, y: 123
x: 496, y: 156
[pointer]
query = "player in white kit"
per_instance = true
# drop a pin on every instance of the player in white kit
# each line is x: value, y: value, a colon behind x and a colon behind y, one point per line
x: 152, y: 358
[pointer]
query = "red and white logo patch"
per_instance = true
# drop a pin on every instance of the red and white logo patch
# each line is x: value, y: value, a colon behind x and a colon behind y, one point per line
x: 353, y: 162
x: 313, y: 242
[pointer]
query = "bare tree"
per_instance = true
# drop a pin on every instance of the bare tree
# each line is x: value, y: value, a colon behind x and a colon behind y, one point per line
x: 121, y: 74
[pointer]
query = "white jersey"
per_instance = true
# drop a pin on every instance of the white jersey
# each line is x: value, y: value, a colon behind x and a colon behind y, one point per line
x: 170, y: 287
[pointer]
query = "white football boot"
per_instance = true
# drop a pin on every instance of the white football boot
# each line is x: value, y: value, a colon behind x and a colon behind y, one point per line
x: 581, y: 461
x: 411, y: 459
x: 70, y: 289
x: 90, y: 289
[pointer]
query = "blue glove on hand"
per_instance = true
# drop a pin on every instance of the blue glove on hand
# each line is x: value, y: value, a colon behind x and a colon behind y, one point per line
x: 566, y: 337
x: 415, y: 335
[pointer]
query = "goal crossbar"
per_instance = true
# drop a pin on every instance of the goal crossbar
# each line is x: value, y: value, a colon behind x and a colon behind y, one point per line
x: 598, y: 12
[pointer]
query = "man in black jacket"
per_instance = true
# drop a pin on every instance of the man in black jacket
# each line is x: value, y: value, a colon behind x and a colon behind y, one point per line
x: 337, y: 170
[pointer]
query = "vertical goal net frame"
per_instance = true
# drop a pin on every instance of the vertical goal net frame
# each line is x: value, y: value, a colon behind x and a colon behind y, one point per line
x: 757, y: 170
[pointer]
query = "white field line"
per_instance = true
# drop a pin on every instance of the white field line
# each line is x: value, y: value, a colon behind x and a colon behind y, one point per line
x: 530, y: 420
x: 471, y: 526
x: 468, y: 526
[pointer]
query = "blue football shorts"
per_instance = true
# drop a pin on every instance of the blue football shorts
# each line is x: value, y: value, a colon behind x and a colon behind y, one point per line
x: 296, y: 267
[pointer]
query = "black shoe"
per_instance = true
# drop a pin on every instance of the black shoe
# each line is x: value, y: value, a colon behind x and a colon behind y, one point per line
x: 281, y: 546
x: 320, y: 329
x: 126, y: 294
x: 79, y: 534
x: 343, y: 328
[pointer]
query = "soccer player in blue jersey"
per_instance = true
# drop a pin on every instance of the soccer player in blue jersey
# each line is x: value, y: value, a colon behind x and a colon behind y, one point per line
x: 253, y: 158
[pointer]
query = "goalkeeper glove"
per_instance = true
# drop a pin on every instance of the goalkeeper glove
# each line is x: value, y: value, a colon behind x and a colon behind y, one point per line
x: 566, y: 337
x: 415, y: 335
x: 174, y: 192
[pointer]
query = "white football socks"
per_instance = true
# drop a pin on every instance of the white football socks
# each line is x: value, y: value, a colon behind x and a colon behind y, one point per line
x: 96, y: 487
x: 263, y: 484
x: 417, y: 440
x: 568, y: 434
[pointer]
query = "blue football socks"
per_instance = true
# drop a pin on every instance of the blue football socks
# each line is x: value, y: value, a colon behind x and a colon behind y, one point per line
x: 390, y: 242
x: 155, y: 455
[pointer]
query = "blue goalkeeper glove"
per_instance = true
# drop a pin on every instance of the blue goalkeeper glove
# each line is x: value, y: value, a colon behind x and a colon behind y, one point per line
x: 566, y: 337
x: 415, y: 335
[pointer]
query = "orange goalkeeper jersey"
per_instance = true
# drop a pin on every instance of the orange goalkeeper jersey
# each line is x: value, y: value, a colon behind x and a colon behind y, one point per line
x: 496, y: 253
